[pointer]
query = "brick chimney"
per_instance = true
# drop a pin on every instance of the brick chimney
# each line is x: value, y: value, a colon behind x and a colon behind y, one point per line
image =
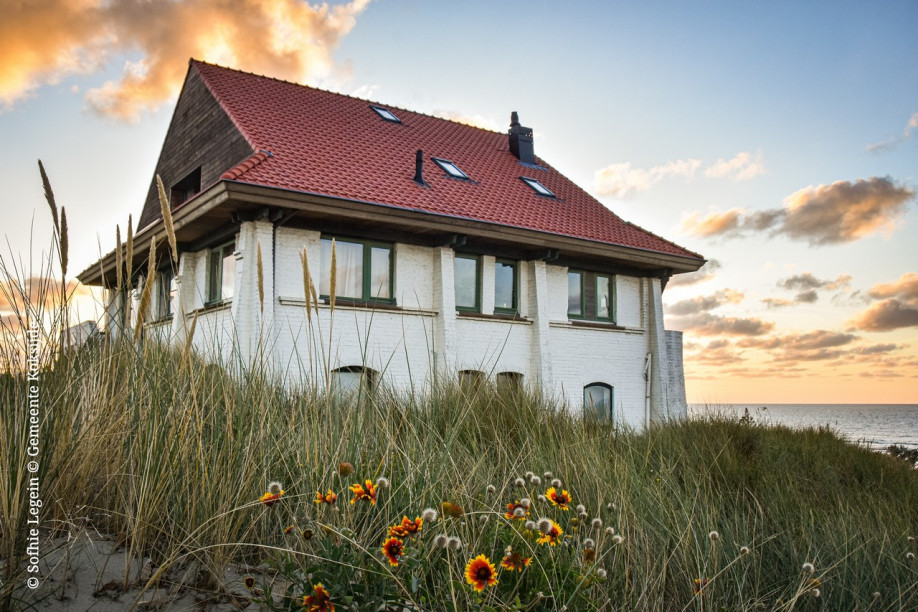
x: 521, y: 140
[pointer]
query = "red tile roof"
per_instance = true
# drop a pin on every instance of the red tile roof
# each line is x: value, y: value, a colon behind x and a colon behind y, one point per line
x: 331, y: 144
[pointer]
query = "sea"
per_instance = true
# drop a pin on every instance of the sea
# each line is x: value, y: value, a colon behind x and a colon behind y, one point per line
x: 876, y: 426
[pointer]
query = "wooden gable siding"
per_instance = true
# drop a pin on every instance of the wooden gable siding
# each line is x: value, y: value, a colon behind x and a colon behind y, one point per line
x: 200, y: 134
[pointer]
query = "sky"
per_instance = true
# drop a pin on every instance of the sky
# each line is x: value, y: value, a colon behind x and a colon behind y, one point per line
x: 779, y: 140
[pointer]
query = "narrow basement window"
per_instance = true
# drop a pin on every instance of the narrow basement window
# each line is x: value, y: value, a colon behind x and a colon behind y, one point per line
x: 538, y: 187
x: 450, y: 168
x: 386, y: 114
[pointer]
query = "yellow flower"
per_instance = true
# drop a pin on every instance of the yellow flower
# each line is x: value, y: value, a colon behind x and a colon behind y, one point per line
x: 367, y: 491
x: 480, y: 573
x: 561, y: 498
x: 269, y: 498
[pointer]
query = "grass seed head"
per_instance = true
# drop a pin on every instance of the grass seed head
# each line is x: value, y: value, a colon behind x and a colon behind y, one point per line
x: 808, y: 567
x: 429, y: 515
x: 596, y: 523
x: 275, y: 487
x: 713, y: 536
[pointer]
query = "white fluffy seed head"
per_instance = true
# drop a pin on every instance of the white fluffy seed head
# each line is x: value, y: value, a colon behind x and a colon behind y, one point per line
x: 535, y: 480
x: 808, y: 567
x: 581, y: 508
x: 815, y: 593
x: 526, y: 502
x: 547, y: 474
x: 275, y: 487
x: 583, y: 516
x: 491, y: 489
x: 542, y: 499
x: 528, y: 475
x: 454, y: 543
x: 596, y: 523
x: 429, y: 515
x: 555, y: 483
x: 440, y: 541
x: 713, y: 536
x: 588, y: 543
x: 876, y: 594
x: 530, y: 525
x: 544, y: 525
x: 519, y: 483
x: 519, y: 513
x: 382, y: 482
x: 744, y: 550
x: 601, y: 573
x: 617, y: 539
x: 610, y: 531
x: 910, y: 556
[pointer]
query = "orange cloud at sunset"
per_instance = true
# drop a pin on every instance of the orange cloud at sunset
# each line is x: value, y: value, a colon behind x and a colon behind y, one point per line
x: 43, y: 41
x: 898, y: 308
x: 825, y: 214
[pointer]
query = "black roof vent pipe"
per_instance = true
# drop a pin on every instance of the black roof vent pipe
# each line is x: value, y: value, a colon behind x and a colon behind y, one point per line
x: 521, y: 140
x: 419, y: 168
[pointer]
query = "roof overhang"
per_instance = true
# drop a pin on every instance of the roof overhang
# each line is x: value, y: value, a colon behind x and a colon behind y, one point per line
x: 227, y: 200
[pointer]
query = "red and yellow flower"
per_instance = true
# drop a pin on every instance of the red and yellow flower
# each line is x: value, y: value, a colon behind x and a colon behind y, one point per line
x: 552, y: 535
x: 407, y: 527
x: 561, y: 498
x: 319, y: 601
x: 700, y: 583
x: 269, y: 498
x: 452, y: 510
x: 480, y: 573
x: 511, y: 511
x: 330, y: 498
x: 515, y: 561
x: 393, y: 548
x: 366, y: 491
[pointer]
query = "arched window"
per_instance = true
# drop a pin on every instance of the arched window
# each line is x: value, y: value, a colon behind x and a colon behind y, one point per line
x: 597, y: 400
x: 471, y: 380
x: 353, y: 380
x: 512, y: 381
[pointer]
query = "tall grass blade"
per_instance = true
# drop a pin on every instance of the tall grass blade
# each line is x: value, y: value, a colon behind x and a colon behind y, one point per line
x: 147, y: 295
x: 166, y: 210
x: 49, y: 196
x: 261, y: 278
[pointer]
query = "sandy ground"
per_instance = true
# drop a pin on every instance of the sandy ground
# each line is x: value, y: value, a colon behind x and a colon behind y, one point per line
x: 87, y: 572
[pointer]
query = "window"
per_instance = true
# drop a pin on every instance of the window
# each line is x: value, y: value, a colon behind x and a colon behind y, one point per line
x: 591, y: 296
x: 221, y: 273
x: 538, y: 187
x: 451, y: 169
x: 185, y: 188
x: 165, y: 299
x: 470, y: 381
x: 505, y: 286
x: 364, y: 270
x: 467, y: 282
x: 597, y: 400
x: 510, y: 381
x: 386, y: 114
x: 353, y: 380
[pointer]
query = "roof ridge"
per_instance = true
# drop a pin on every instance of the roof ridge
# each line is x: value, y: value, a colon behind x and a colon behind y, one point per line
x: 338, y: 93
x: 245, y: 165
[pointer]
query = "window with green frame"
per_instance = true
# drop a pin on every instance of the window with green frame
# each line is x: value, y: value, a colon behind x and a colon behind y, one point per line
x: 221, y: 273
x: 467, y: 282
x: 590, y: 296
x: 363, y: 269
x: 506, y: 286
x: 165, y: 299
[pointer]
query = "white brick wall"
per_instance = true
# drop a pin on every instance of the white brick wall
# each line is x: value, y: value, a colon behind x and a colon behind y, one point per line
x: 407, y: 345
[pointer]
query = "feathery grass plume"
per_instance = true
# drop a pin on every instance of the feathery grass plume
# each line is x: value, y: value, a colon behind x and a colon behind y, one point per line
x: 49, y: 196
x: 119, y: 258
x: 333, y: 277
x: 307, y: 284
x: 261, y: 277
x: 129, y: 254
x: 147, y: 294
x: 167, y: 218
x: 64, y: 243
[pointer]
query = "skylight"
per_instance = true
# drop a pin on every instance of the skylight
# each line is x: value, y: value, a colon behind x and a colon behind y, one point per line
x: 538, y: 187
x: 451, y: 169
x: 386, y: 114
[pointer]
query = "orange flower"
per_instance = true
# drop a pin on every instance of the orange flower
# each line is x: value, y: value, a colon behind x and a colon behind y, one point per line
x: 552, y: 534
x: 330, y: 498
x: 480, y: 573
x: 393, y: 548
x: 515, y: 561
x: 407, y: 527
x: 511, y: 511
x: 289, y: 529
x: 559, y: 498
x: 319, y: 601
x: 269, y: 499
x: 367, y: 491
x: 700, y: 583
x: 451, y: 509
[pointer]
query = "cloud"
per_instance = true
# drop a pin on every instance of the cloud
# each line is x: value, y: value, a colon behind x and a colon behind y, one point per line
x: 621, y: 180
x: 705, y: 273
x: 777, y: 302
x: 706, y: 324
x: 806, y: 281
x: 479, y: 121
x: 898, y: 308
x: 704, y: 303
x: 38, y: 292
x: 41, y: 42
x: 741, y: 167
x: 717, y: 352
x: 892, y: 143
x: 817, y: 345
x: 826, y: 214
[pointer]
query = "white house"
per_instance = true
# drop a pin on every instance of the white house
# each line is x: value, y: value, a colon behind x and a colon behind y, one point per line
x: 459, y: 252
